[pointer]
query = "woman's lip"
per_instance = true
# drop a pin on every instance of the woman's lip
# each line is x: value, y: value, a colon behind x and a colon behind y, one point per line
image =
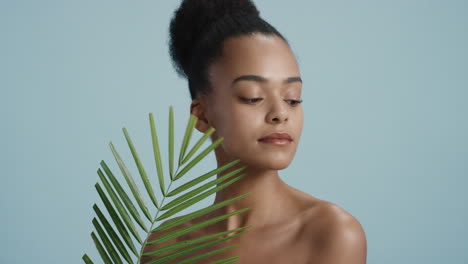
x: 276, y: 141
x: 277, y: 136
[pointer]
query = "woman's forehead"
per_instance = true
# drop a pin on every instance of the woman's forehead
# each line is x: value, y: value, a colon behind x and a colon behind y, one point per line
x: 268, y: 56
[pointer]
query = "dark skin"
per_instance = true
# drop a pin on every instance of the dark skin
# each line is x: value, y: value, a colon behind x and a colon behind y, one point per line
x: 288, y: 225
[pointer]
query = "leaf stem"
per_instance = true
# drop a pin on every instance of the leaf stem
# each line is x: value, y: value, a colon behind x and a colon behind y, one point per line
x: 154, y: 219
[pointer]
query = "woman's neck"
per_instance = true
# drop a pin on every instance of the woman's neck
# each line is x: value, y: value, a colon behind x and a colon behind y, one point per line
x: 267, y: 199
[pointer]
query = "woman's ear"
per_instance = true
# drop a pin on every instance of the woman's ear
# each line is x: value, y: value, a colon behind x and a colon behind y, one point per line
x: 198, y: 109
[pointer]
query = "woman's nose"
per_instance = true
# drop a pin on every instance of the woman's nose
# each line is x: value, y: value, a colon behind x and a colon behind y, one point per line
x: 278, y: 111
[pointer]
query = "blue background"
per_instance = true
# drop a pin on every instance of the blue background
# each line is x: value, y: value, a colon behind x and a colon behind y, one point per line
x: 385, y: 132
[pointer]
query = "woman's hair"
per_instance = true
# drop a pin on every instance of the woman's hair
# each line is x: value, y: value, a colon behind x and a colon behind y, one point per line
x: 198, y: 30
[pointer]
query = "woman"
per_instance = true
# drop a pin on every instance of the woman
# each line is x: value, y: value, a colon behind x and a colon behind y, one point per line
x: 244, y: 81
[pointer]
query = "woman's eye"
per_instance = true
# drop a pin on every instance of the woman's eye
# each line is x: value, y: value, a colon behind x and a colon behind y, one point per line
x: 295, y: 102
x: 254, y: 100
x: 250, y: 100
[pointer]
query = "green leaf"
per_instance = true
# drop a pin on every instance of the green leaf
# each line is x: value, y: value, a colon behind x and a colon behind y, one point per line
x: 171, y: 142
x: 115, y: 238
x: 110, y: 248
x: 187, y: 136
x: 114, y: 242
x: 141, y: 169
x: 193, y: 227
x: 188, y: 251
x: 190, y: 242
x: 202, y: 178
x: 126, y: 200
x: 198, y: 198
x: 101, y: 250
x: 198, y: 158
x: 226, y: 260
x: 129, y: 179
x: 157, y: 155
x: 198, y: 144
x: 123, y: 213
x: 196, y: 214
x: 116, y: 219
x: 200, y: 189
x: 87, y: 260
x: 211, y: 253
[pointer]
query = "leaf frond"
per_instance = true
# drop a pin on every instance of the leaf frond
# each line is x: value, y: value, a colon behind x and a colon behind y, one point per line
x: 171, y: 142
x: 115, y: 234
x: 198, y: 198
x: 196, y: 214
x: 187, y: 136
x: 157, y: 155
x: 87, y: 260
x: 101, y: 250
x: 115, y: 238
x: 202, y: 178
x: 198, y: 144
x: 198, y: 158
x: 122, y: 212
x: 198, y: 190
x: 188, y: 251
x: 185, y: 230
x: 141, y: 169
x: 190, y: 242
x: 116, y: 219
x: 123, y: 196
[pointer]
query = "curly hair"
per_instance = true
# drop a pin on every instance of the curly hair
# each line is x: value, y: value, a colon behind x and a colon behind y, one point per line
x: 197, y: 32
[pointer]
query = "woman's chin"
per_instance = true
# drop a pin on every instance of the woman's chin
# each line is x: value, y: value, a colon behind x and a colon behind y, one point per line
x: 266, y: 163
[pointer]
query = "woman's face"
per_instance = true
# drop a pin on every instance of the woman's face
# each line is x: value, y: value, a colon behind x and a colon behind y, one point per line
x: 255, y: 66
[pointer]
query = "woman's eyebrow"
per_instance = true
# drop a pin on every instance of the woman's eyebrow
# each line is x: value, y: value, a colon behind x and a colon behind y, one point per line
x: 257, y: 78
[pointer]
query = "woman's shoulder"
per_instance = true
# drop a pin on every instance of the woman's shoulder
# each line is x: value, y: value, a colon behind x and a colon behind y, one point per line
x: 327, y: 214
x: 322, y: 213
x: 331, y: 228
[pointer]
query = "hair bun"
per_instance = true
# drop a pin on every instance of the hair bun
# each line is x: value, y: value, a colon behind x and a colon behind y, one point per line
x: 192, y: 19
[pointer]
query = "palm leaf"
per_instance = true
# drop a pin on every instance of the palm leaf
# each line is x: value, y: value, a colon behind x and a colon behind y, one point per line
x: 171, y: 142
x: 186, y: 243
x: 142, y: 171
x: 188, y: 133
x: 157, y: 154
x: 116, y: 234
x: 187, y: 251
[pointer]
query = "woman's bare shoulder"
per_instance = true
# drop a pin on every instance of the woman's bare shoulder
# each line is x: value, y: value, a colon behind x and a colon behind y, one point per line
x: 332, y: 229
x: 327, y: 212
x: 320, y: 213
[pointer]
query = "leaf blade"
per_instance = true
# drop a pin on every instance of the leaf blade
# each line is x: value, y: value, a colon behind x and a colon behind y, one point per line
x: 115, y: 238
x: 171, y: 142
x: 123, y: 213
x: 107, y: 244
x: 198, y: 158
x: 123, y: 195
x: 116, y: 219
x: 198, y: 144
x: 198, y: 190
x: 211, y: 253
x: 87, y: 260
x: 226, y: 260
x: 196, y: 214
x: 100, y: 249
x: 190, y: 242
x: 187, y: 251
x: 157, y: 154
x: 191, y: 228
x: 187, y: 136
x: 129, y: 179
x: 141, y: 169
x: 200, y: 197
x: 202, y: 178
